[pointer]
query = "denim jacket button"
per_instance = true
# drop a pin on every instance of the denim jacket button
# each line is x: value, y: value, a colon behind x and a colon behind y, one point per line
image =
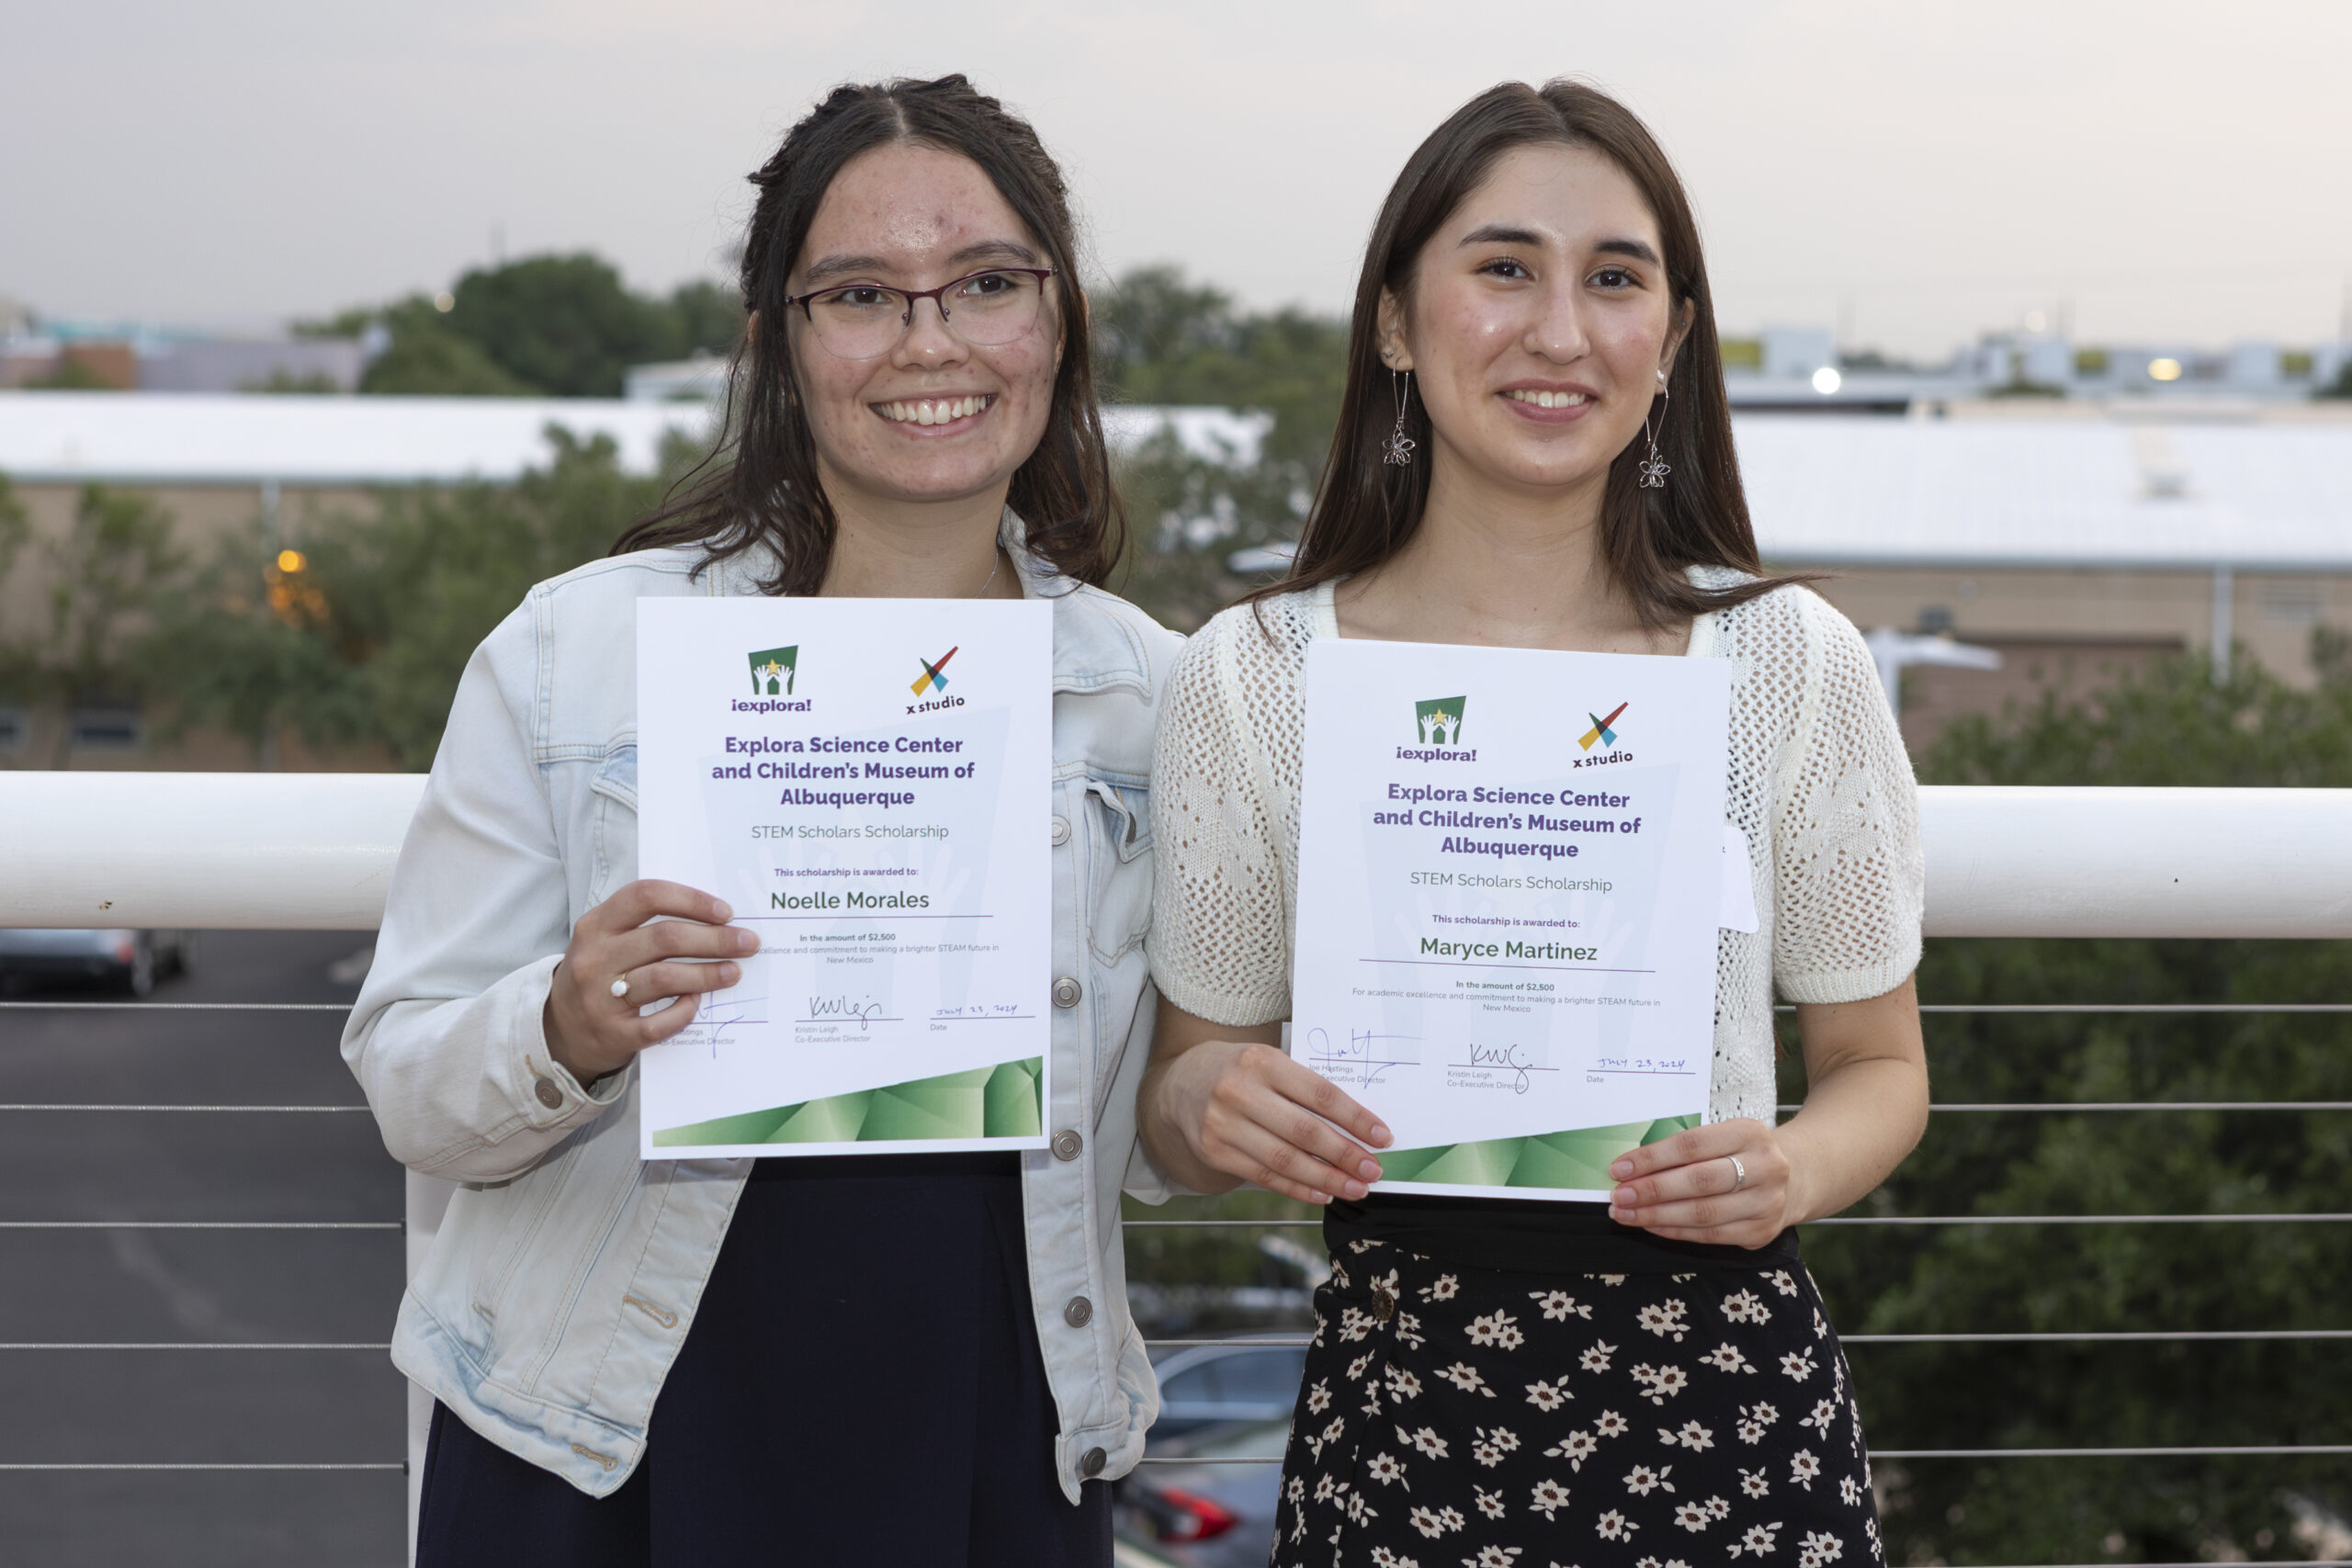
x: 547, y: 1094
x: 1091, y: 1465
x: 1066, y: 1143
x: 1078, y: 1312
x: 1066, y: 992
x: 1061, y: 831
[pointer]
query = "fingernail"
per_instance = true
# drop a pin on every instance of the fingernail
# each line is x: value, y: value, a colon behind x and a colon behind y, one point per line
x: 1622, y: 1169
x: 1369, y: 1169
x: 726, y: 911
x: 1318, y: 1197
x: 1381, y: 1135
x: 1623, y: 1197
x: 1357, y: 1190
x: 729, y: 974
x: 747, y: 941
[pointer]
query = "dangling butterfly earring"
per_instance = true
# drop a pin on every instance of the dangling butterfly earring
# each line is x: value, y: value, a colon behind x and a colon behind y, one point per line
x: 1653, y: 468
x: 1396, y: 452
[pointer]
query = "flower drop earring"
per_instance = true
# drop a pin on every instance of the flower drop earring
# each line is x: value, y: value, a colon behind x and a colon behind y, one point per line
x: 1653, y: 468
x: 1396, y: 452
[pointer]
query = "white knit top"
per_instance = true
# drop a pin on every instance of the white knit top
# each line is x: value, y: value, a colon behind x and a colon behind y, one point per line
x: 1820, y: 785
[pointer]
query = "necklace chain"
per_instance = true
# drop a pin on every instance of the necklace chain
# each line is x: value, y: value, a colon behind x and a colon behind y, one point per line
x: 996, y: 559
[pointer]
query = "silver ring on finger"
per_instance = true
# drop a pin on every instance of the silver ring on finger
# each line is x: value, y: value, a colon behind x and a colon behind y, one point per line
x: 1738, y: 1173
x: 620, y: 987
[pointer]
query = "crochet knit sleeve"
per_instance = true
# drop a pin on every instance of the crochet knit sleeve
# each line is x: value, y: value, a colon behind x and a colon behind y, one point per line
x: 1850, y: 879
x: 1220, y: 940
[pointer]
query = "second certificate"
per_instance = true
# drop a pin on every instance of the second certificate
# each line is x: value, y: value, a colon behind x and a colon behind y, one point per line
x: 866, y: 781
x: 1510, y: 872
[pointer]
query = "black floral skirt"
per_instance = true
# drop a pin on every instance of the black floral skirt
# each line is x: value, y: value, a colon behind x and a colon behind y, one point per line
x: 1523, y: 1420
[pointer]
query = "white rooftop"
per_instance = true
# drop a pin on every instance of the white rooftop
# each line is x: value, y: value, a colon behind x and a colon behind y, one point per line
x: 1825, y: 489
x: 1832, y: 490
x: 164, y: 438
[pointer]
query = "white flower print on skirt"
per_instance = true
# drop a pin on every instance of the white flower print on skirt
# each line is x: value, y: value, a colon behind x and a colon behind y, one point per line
x: 1475, y: 1417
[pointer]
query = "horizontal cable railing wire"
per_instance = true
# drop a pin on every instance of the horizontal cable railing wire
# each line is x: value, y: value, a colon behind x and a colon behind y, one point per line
x: 2054, y: 1337
x: 398, y: 1467
x: 208, y: 1110
x: 195, y: 1345
x: 204, y: 1226
x: 1881, y: 1220
x: 2053, y: 1106
x: 2054, y: 1008
x: 2251, y: 1450
x: 179, y: 1007
x: 2064, y: 1105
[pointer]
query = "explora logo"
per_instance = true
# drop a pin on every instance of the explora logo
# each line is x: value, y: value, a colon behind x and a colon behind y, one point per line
x: 1439, y: 720
x: 773, y: 670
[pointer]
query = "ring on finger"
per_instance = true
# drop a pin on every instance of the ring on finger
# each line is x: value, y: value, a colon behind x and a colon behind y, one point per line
x: 620, y: 987
x: 1738, y: 1173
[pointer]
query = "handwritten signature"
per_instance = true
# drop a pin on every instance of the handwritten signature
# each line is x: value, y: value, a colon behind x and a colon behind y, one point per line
x: 1357, y: 1061
x: 1508, y: 1058
x: 844, y: 1007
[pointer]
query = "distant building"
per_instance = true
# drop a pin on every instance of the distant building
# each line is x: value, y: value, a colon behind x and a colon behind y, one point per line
x: 702, y: 379
x: 2078, y: 541
x: 1795, y: 369
x: 155, y: 364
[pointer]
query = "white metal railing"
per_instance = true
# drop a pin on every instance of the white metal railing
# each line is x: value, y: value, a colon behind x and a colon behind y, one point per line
x: 314, y: 852
x: 279, y: 852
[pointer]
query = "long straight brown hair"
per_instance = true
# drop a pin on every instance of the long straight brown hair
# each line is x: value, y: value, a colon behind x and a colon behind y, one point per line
x: 758, y: 484
x: 1365, y: 509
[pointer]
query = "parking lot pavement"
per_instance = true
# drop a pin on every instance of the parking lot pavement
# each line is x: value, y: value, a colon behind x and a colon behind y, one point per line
x: 209, y: 1287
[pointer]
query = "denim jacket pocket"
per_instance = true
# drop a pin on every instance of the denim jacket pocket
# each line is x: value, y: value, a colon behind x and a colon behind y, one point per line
x: 615, y: 824
x: 1118, y: 819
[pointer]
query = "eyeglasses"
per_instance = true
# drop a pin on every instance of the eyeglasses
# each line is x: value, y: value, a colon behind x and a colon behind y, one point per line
x: 865, y: 321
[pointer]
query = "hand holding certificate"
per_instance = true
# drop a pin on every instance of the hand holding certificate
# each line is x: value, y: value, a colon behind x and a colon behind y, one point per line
x: 872, y: 800
x: 1508, y: 896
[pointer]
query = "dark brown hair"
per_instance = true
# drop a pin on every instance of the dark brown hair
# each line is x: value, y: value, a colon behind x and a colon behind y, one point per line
x: 1365, y: 509
x: 769, y: 492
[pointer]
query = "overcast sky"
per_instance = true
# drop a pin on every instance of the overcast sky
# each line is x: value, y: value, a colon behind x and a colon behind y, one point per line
x: 1915, y: 173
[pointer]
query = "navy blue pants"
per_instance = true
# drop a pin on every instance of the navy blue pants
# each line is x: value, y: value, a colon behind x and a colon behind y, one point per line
x: 861, y: 1385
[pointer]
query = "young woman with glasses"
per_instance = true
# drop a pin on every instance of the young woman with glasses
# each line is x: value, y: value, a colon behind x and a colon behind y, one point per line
x: 919, y: 1358
x: 1535, y: 452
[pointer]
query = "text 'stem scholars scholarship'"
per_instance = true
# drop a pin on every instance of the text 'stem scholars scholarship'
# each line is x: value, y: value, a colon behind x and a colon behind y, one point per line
x: 868, y: 783
x: 1512, y: 865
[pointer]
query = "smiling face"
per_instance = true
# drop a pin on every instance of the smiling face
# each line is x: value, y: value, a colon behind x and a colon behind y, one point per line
x: 1539, y: 319
x: 931, y: 418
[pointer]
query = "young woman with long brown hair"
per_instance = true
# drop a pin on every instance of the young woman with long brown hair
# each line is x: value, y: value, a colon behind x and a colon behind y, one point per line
x: 1535, y: 452
x: 894, y: 1358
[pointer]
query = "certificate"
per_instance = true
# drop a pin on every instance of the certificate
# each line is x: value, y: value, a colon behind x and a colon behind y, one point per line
x: 1512, y: 868
x: 867, y: 783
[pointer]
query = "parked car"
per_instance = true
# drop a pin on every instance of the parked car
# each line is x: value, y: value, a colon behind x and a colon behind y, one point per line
x: 1198, y: 1515
x: 130, y: 961
x: 1203, y: 1385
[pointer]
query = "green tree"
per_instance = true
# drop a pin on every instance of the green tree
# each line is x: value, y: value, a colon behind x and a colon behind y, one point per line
x: 1162, y: 339
x: 366, y: 647
x: 105, y: 573
x: 706, y: 317
x: 2172, y: 727
x: 566, y: 325
x: 551, y: 326
x: 426, y: 358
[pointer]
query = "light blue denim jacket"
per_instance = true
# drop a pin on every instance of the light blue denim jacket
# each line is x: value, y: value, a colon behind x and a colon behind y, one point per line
x: 566, y: 1274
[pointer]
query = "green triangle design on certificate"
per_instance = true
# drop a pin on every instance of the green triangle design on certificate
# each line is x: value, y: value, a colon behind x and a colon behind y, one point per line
x: 1002, y: 1101
x: 1578, y: 1157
